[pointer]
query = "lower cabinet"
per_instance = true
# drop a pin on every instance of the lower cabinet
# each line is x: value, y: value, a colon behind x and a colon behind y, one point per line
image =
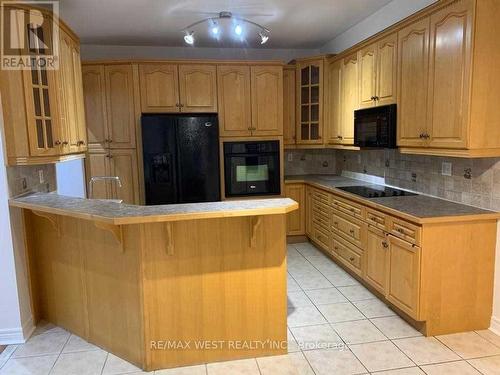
x: 121, y: 163
x: 295, y: 220
x: 377, y: 257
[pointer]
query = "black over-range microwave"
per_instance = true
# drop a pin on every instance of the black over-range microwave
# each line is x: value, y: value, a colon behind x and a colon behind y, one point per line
x: 375, y: 127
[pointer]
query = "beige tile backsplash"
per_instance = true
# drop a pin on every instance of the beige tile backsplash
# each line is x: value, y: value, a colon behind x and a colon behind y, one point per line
x: 16, y: 175
x: 474, y: 182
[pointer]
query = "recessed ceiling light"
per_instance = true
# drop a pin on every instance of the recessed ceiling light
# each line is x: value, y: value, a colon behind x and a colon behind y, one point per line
x: 214, y: 29
x: 263, y: 38
x: 238, y: 30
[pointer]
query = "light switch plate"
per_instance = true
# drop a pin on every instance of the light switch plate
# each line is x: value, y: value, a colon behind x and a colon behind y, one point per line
x: 290, y: 157
x: 40, y: 176
x: 446, y: 168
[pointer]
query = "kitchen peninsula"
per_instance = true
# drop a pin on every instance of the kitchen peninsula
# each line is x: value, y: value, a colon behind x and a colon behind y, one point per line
x: 158, y: 285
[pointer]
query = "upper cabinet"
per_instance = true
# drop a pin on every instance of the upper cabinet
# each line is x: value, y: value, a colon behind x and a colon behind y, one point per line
x: 167, y: 88
x: 289, y: 129
x: 110, y: 106
x: 377, y: 72
x: 250, y: 100
x: 349, y: 98
x: 309, y: 82
x: 43, y: 113
x: 333, y: 101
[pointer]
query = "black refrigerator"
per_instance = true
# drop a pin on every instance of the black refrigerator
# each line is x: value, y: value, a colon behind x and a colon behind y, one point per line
x: 181, y: 158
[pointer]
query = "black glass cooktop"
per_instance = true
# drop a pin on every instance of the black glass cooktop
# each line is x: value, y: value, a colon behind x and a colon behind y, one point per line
x: 376, y: 191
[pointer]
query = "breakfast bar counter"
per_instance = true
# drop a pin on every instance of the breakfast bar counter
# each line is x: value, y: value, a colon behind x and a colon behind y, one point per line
x: 161, y: 286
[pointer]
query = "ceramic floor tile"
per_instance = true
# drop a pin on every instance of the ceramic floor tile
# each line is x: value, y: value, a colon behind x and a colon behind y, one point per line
x: 304, y: 316
x: 340, y: 312
x: 292, y: 252
x: 298, y: 299
x: 341, y: 280
x: 293, y: 346
x: 317, y: 337
x: 325, y: 296
x: 43, y: 344
x: 488, y: 365
x: 374, y: 308
x: 309, y: 282
x: 292, y: 285
x: 379, y: 356
x: 29, y: 365
x: 188, y: 370
x: 469, y: 345
x: 450, y: 368
x: 240, y: 367
x: 306, y: 248
x: 46, y: 327
x: 403, y: 371
x: 77, y: 344
x: 425, y: 350
x: 490, y: 336
x: 356, y: 292
x: 115, y: 365
x: 7, y: 353
x: 290, y: 364
x: 358, y: 332
x: 81, y: 363
x: 328, y: 267
x: 333, y: 361
x: 395, y: 328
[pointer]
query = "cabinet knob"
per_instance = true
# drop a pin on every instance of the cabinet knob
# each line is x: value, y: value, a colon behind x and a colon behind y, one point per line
x: 351, y: 259
x: 57, y: 143
x: 372, y: 98
x: 339, y: 137
x: 351, y: 231
x: 385, y: 244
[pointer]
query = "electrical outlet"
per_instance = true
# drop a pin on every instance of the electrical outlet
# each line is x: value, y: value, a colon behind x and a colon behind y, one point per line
x: 446, y: 168
x: 41, y: 177
x: 290, y: 157
x: 24, y: 183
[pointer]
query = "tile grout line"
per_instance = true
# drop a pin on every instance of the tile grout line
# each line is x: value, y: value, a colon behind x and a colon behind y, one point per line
x: 59, y: 355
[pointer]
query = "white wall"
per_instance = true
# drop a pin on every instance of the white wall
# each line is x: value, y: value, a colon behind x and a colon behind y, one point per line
x: 70, y: 177
x: 96, y: 52
x: 386, y: 16
x: 10, y: 312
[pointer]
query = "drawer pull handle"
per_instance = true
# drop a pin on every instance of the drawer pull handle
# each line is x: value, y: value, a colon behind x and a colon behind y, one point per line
x: 351, y: 259
x: 400, y: 230
x: 336, y: 248
x: 351, y: 231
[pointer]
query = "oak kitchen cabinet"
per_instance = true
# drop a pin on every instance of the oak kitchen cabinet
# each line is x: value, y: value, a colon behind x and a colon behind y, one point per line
x: 413, y: 266
x: 309, y: 99
x: 377, y: 72
x: 115, y: 162
x: 289, y: 127
x: 250, y: 100
x: 43, y: 112
x: 295, y: 221
x: 349, y: 98
x: 172, y: 88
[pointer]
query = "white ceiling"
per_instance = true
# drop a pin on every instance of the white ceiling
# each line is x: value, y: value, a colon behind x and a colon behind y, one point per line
x: 293, y: 23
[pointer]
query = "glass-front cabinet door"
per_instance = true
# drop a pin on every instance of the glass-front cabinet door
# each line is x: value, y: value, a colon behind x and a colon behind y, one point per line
x: 310, y: 101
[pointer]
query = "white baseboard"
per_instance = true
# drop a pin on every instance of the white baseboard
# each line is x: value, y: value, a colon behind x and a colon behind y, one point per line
x: 495, y: 325
x: 12, y: 336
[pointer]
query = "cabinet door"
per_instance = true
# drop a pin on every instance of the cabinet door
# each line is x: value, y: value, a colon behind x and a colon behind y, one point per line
x: 159, y: 86
x: 413, y: 50
x: 295, y: 220
x: 267, y: 100
x: 310, y: 102
x: 376, y: 255
x: 81, y: 126
x: 403, y: 287
x: 450, y: 74
x: 97, y: 165
x: 333, y: 100
x: 41, y: 95
x: 350, y: 97
x: 367, y: 69
x: 234, y: 100
x: 120, y: 106
x: 387, y: 70
x: 289, y: 106
x: 123, y: 163
x: 94, y: 95
x: 198, y: 88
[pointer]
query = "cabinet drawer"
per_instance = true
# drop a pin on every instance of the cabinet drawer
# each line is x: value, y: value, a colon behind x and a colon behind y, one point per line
x: 348, y: 256
x: 321, y: 196
x: 377, y: 219
x: 321, y: 221
x: 348, y: 207
x: 349, y: 228
x: 321, y: 207
x: 406, y: 231
x: 321, y: 237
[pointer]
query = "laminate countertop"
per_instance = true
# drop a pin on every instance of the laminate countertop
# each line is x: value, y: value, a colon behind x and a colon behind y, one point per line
x: 120, y: 213
x: 418, y: 208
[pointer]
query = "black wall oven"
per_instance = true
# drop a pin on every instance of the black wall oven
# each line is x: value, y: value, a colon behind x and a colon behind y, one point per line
x: 375, y: 127
x: 252, y: 168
